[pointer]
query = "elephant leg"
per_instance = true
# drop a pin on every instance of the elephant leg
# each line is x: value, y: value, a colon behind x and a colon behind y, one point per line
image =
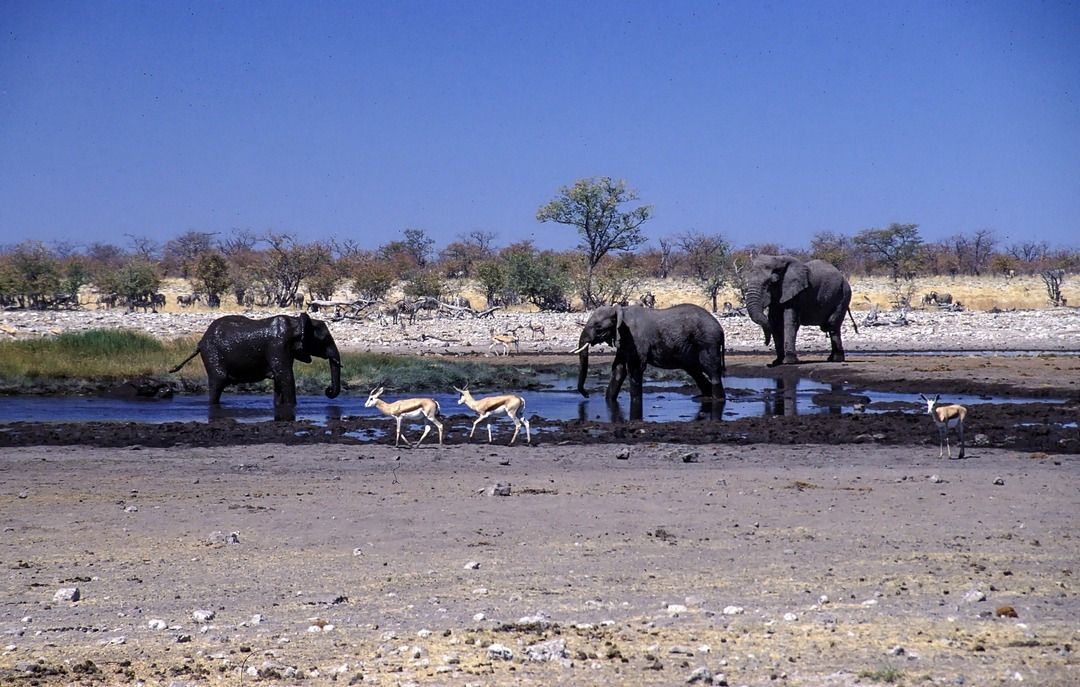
x: 637, y: 381
x: 791, y: 330
x: 702, y: 381
x: 712, y: 372
x: 215, y: 385
x: 284, y: 387
x: 777, y: 326
x: 837, y: 354
x: 618, y: 376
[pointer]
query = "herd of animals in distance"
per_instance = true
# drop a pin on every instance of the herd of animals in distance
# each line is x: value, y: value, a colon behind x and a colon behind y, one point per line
x: 782, y: 294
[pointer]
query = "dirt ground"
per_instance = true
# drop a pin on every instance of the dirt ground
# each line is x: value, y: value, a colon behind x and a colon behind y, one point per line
x: 794, y: 550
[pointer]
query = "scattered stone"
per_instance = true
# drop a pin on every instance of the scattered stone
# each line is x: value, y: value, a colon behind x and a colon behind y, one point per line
x: 974, y: 596
x: 681, y: 650
x: 183, y: 638
x: 982, y: 440
x: 131, y: 509
x: 357, y: 551
x: 675, y: 609
x: 157, y: 624
x: 472, y: 565
x: 791, y: 617
x: 998, y: 482
x: 623, y: 454
x: 218, y: 537
x: 691, y: 457
x: 550, y: 651
x: 202, y: 616
x: 67, y: 594
x: 702, y: 674
x: 1006, y: 612
x: 823, y: 599
x: 733, y: 610
x: 479, y: 617
x: 499, y: 489
x: 936, y: 479
x: 500, y: 652
x: 114, y: 641
x: 897, y: 651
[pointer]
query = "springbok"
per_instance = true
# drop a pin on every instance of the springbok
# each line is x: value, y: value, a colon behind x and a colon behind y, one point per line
x: 504, y: 340
x: 511, y: 404
x: 410, y: 408
x: 946, y: 416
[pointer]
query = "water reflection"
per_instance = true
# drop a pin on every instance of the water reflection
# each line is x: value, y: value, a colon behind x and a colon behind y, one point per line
x: 786, y: 395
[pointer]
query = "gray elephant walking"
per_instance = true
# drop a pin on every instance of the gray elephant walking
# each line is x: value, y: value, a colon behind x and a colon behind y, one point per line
x: 682, y: 337
x: 797, y: 293
x: 238, y: 349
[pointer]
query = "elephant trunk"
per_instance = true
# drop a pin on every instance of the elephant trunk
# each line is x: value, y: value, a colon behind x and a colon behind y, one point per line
x: 583, y: 364
x: 334, y: 389
x: 756, y: 311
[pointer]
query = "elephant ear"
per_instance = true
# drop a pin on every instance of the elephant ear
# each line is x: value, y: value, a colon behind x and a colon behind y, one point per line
x: 618, y: 323
x: 298, y: 338
x: 796, y: 279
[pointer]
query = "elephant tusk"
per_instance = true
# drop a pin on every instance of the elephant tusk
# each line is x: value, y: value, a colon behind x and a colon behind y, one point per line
x: 580, y: 348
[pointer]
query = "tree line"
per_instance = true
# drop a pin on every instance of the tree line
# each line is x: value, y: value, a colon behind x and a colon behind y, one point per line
x: 611, y: 260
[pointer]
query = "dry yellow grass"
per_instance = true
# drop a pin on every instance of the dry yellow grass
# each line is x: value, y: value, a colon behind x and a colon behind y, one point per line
x: 975, y: 293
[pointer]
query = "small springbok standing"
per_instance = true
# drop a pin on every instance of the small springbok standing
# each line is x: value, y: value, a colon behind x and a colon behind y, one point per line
x: 511, y: 404
x: 408, y: 408
x: 946, y: 416
x: 504, y: 340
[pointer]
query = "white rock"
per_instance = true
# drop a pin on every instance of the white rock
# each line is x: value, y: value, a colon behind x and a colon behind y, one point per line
x: 498, y: 651
x: 67, y: 594
x: 478, y: 617
x: 202, y: 616
x: 675, y: 609
x: 157, y: 624
x: 472, y: 565
x: 791, y: 617
x: 734, y: 610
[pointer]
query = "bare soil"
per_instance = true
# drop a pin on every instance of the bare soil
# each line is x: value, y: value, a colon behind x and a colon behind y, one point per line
x: 812, y: 550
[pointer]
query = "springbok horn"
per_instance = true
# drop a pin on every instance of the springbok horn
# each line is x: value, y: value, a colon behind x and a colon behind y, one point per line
x: 580, y: 348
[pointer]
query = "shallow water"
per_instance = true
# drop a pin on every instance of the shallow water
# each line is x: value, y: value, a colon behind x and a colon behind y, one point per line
x: 662, y: 401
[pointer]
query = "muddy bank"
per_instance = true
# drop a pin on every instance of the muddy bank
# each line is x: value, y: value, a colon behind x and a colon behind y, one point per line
x: 800, y: 565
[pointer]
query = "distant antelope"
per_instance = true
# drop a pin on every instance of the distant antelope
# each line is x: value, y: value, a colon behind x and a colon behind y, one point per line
x: 411, y: 408
x: 504, y: 340
x: 511, y: 404
x: 946, y: 416
x: 536, y: 328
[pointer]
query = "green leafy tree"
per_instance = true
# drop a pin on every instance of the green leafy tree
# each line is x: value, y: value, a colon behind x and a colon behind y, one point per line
x: 371, y: 276
x: 426, y: 284
x: 706, y: 259
x: 595, y: 207
x: 36, y: 274
x: 897, y: 248
x: 494, y: 277
x: 211, y: 273
x: 137, y: 280
x: 536, y: 277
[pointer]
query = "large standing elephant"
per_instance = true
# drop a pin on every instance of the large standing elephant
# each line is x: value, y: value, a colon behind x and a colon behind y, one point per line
x: 683, y: 337
x: 239, y: 349
x: 797, y: 293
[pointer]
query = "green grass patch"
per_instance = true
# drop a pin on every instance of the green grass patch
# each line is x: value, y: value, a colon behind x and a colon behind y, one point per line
x: 886, y: 674
x: 75, y: 361
x: 99, y: 354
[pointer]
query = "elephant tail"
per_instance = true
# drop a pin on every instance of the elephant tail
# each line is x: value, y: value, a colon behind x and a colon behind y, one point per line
x: 853, y: 320
x: 186, y: 361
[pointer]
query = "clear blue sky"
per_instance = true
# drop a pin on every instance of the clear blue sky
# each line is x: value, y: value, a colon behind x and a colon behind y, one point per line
x: 762, y: 121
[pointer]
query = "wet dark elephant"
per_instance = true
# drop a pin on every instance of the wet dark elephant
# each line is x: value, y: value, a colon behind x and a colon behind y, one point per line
x: 682, y: 337
x: 237, y: 349
x: 797, y: 293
